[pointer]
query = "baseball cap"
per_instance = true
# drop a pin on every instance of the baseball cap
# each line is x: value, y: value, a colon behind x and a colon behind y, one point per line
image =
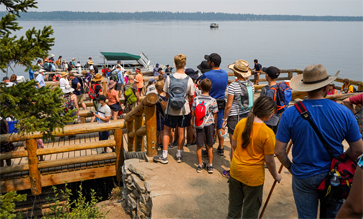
x: 191, y: 73
x: 160, y: 69
x: 214, y: 57
x: 272, y: 72
x: 101, y: 97
x: 152, y: 80
x: 203, y: 67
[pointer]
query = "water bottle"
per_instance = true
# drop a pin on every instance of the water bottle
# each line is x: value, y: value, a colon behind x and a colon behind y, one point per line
x: 334, y: 180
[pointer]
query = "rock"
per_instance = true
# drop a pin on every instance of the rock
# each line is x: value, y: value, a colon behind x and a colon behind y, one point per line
x: 137, y: 171
x: 145, y: 207
x: 137, y: 193
x: 140, y: 185
x: 153, y: 185
x: 159, y: 193
x: 140, y: 212
x: 142, y: 169
x: 131, y: 202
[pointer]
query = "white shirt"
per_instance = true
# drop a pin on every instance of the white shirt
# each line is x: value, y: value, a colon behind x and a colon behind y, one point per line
x: 103, y: 112
x: 63, y: 82
x: 151, y: 89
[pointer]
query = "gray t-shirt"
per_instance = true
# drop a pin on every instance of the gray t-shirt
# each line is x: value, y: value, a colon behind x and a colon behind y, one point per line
x: 235, y: 89
x: 151, y: 89
x: 190, y: 91
x: 103, y: 112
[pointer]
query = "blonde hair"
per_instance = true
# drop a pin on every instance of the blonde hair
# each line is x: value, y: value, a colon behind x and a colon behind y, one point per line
x: 131, y: 77
x: 180, y: 61
x: 84, y: 72
x: 159, y: 85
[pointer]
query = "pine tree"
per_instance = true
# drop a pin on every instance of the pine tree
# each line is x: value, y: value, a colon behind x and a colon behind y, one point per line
x: 34, y: 109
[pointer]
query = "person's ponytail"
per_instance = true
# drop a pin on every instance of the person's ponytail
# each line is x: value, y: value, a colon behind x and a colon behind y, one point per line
x: 247, y: 131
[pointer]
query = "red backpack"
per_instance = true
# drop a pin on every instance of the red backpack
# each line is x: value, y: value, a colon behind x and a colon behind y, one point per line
x: 92, y: 91
x: 199, y: 113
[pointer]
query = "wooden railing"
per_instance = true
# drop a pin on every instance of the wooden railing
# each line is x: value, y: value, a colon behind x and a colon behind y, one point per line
x: 36, y: 181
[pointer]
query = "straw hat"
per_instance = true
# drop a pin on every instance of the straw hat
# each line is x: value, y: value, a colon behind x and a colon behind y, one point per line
x: 90, y: 62
x: 51, y: 55
x: 64, y: 74
x: 111, y: 84
x: 67, y: 89
x: 98, y: 77
x: 128, y: 72
x: 313, y: 77
x: 241, y: 67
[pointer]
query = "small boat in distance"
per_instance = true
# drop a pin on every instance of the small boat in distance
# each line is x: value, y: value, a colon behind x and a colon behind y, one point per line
x: 213, y: 25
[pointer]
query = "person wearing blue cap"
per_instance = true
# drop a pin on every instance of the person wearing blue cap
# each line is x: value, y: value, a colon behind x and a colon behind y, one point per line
x: 150, y: 88
x: 156, y: 69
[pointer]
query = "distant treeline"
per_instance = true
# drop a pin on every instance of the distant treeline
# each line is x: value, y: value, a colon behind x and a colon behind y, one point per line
x: 163, y: 16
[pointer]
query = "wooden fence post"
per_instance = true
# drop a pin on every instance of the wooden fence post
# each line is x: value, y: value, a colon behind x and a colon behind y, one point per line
x: 104, y: 86
x: 151, y: 130
x: 34, y: 173
x: 130, y: 141
x: 290, y: 74
x: 138, y: 139
x: 119, y: 152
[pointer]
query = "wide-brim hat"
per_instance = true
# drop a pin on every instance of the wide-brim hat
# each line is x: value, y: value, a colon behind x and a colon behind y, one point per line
x: 111, y: 84
x: 41, y: 70
x: 67, y: 89
x: 241, y: 67
x: 64, y: 74
x: 98, y: 77
x: 313, y: 78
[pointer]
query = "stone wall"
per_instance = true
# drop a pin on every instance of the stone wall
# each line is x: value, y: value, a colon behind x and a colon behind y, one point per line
x: 135, y: 188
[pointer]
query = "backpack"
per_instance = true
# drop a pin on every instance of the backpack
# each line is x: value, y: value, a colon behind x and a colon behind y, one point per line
x: 52, y: 66
x: 95, y: 68
x: 354, y: 89
x: 46, y: 66
x: 92, y: 91
x: 245, y: 101
x: 69, y: 66
x: 282, y: 96
x: 81, y: 82
x: 114, y: 76
x: 200, y: 113
x: 129, y: 93
x: 177, y: 92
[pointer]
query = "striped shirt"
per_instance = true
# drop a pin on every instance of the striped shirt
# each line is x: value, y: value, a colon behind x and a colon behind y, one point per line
x: 213, y: 108
x: 235, y: 89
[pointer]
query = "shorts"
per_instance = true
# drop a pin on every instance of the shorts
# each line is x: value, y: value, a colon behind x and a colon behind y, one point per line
x: 139, y: 89
x: 220, y: 116
x: 80, y: 99
x: 118, y: 86
x: 181, y: 121
x: 103, y: 135
x: 160, y: 124
x: 233, y: 120
x: 208, y: 132
x: 115, y: 107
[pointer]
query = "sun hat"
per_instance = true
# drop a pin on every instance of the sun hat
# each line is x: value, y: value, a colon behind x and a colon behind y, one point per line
x: 101, y: 97
x: 67, y: 89
x: 191, y: 73
x: 214, y: 57
x: 98, y: 77
x: 272, y: 72
x: 241, y: 67
x: 152, y: 80
x: 73, y: 59
x: 312, y: 78
x: 111, y: 84
x: 203, y: 67
x: 90, y: 62
x: 64, y: 74
x: 41, y: 70
x: 51, y: 55
x: 78, y: 65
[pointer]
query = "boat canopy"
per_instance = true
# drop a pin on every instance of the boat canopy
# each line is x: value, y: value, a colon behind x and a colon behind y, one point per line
x: 119, y: 56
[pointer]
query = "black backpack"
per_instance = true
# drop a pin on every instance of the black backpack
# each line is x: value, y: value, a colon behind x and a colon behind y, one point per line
x: 114, y: 75
x: 95, y: 68
x: 81, y: 82
x: 69, y: 66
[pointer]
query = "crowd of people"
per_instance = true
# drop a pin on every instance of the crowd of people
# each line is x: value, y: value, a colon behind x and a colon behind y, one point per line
x: 258, y: 129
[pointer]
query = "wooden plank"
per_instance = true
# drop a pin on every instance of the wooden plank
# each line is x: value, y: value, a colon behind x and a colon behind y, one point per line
x: 138, y: 139
x: 34, y: 174
x: 76, y: 160
x: 119, y: 153
x: 56, y: 179
x: 151, y: 129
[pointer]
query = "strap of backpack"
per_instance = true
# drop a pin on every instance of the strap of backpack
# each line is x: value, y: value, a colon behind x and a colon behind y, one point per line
x: 306, y: 115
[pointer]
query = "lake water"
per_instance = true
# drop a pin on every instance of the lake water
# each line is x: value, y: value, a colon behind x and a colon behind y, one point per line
x: 286, y: 45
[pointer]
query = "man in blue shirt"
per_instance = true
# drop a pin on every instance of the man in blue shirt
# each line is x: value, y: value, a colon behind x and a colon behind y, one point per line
x: 156, y: 69
x: 120, y: 81
x: 78, y: 90
x: 40, y: 79
x: 219, y: 79
x: 311, y: 161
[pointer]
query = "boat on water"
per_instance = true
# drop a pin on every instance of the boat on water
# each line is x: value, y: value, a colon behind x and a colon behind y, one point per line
x: 213, y: 25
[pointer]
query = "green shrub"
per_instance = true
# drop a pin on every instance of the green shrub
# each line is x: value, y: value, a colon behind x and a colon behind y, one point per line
x: 78, y: 208
x: 7, y: 204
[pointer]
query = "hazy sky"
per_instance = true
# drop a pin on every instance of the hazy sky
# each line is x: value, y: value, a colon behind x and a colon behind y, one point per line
x: 293, y: 7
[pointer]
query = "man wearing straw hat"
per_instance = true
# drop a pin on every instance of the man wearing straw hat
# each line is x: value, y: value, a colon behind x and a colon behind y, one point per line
x: 311, y: 161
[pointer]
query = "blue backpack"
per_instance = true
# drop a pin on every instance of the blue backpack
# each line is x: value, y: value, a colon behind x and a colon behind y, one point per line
x: 177, y: 92
x: 282, y: 96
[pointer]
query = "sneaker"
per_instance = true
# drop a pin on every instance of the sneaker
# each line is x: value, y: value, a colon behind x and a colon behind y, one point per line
x: 200, y: 168
x: 205, y: 153
x: 170, y: 146
x: 178, y: 158
x: 209, y: 169
x: 160, y: 159
x: 174, y: 143
x: 221, y: 151
x: 160, y: 145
